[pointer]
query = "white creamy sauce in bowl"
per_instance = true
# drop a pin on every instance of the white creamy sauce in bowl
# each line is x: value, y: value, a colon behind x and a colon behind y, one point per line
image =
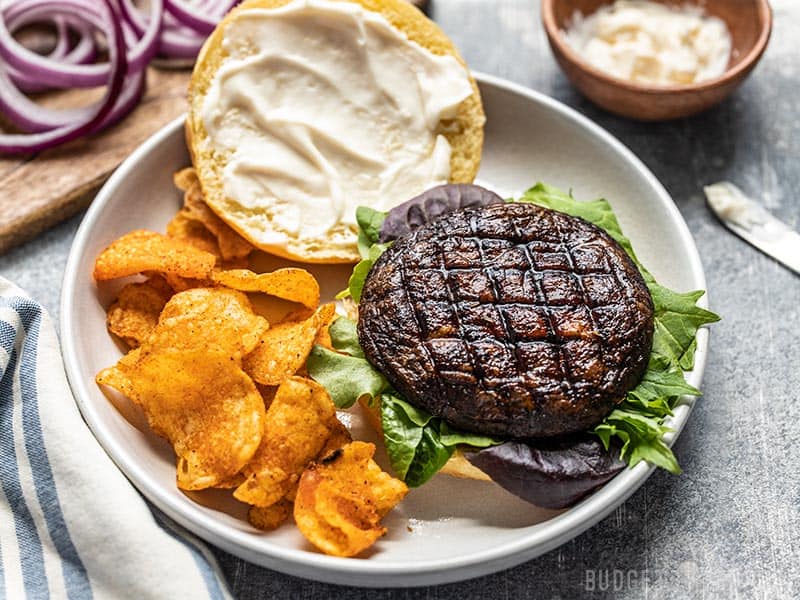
x: 648, y: 42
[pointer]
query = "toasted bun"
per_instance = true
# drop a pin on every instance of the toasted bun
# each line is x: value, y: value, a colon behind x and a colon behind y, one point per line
x: 457, y: 466
x: 465, y: 132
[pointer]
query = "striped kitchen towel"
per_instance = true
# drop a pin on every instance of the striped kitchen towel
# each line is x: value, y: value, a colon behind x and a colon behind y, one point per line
x: 71, y: 525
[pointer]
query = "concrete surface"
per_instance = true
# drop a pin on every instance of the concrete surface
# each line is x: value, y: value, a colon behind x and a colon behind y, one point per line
x: 728, y: 527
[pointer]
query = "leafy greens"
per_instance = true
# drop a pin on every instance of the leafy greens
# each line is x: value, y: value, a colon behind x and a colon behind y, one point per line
x: 369, y: 229
x: 638, y: 422
x: 419, y: 444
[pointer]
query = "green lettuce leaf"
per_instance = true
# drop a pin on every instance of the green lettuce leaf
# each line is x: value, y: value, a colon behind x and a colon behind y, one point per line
x: 419, y: 444
x: 430, y: 457
x: 662, y: 381
x: 370, y: 222
x: 641, y: 437
x: 344, y: 337
x: 597, y: 212
x: 638, y: 422
x: 356, y: 283
x: 347, y: 378
x: 402, y: 432
x: 453, y: 437
x: 677, y: 319
x: 369, y: 228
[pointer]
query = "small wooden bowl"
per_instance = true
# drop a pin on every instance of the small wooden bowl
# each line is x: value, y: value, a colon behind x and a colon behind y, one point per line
x: 750, y: 25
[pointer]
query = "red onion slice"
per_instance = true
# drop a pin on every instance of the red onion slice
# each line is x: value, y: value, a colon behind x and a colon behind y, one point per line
x: 118, y: 66
x: 173, y: 30
x: 83, y: 52
x: 190, y: 18
x: 68, y: 75
x: 176, y: 41
x: 194, y: 15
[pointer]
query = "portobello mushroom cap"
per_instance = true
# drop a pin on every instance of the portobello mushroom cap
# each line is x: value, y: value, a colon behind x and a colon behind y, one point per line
x: 508, y: 319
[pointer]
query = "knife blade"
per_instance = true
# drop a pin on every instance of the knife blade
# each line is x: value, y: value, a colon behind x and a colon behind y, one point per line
x: 753, y: 223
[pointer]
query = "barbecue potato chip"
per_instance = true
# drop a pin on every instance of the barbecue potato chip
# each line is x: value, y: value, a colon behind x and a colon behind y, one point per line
x: 181, y: 284
x: 324, y: 337
x: 202, y: 402
x: 339, y: 437
x: 212, y: 318
x: 231, y: 483
x: 185, y: 178
x: 270, y: 517
x: 182, y: 227
x: 298, y: 423
x: 341, y: 500
x: 295, y: 285
x: 283, y: 349
x: 134, y: 314
x: 115, y: 377
x: 142, y: 250
x: 187, y: 378
x: 231, y: 244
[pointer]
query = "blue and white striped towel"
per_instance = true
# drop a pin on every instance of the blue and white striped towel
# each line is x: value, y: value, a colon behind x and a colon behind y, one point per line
x: 71, y: 525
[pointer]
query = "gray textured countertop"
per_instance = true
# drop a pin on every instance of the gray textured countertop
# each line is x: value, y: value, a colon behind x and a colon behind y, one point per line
x: 728, y: 527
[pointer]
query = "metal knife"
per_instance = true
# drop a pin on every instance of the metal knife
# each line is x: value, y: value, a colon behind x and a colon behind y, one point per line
x: 753, y: 223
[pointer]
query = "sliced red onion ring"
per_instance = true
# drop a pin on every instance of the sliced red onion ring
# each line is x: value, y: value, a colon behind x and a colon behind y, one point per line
x: 69, y: 75
x: 191, y: 19
x: 46, y: 69
x: 31, y: 117
x: 173, y: 30
x: 118, y: 66
x: 178, y: 40
x: 83, y: 52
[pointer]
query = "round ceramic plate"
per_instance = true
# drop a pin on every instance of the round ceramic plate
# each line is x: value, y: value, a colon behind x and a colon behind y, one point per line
x: 449, y: 529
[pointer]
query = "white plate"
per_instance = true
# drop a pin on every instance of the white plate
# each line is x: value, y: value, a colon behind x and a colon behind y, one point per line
x: 449, y: 529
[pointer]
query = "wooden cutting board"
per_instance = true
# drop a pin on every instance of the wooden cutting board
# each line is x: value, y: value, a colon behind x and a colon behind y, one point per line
x: 36, y: 192
x: 39, y: 191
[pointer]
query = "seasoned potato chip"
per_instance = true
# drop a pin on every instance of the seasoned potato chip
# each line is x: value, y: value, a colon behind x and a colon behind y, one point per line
x: 185, y: 178
x: 115, y: 377
x: 181, y: 284
x: 141, y: 250
x: 202, y: 402
x: 324, y: 337
x: 295, y: 285
x: 339, y: 436
x: 270, y: 517
x: 231, y: 483
x: 341, y: 500
x: 181, y: 227
x: 298, y: 423
x: 284, y: 348
x: 231, y: 244
x: 187, y: 378
x: 212, y: 318
x: 134, y: 314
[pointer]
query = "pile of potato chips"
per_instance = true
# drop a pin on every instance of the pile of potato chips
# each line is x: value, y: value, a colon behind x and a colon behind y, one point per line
x: 228, y: 388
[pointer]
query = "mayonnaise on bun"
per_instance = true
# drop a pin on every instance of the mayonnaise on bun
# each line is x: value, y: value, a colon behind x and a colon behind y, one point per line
x: 303, y: 110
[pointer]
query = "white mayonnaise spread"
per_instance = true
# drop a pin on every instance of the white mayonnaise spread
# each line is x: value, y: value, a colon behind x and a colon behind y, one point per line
x: 730, y: 204
x: 324, y: 106
x: 649, y: 42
